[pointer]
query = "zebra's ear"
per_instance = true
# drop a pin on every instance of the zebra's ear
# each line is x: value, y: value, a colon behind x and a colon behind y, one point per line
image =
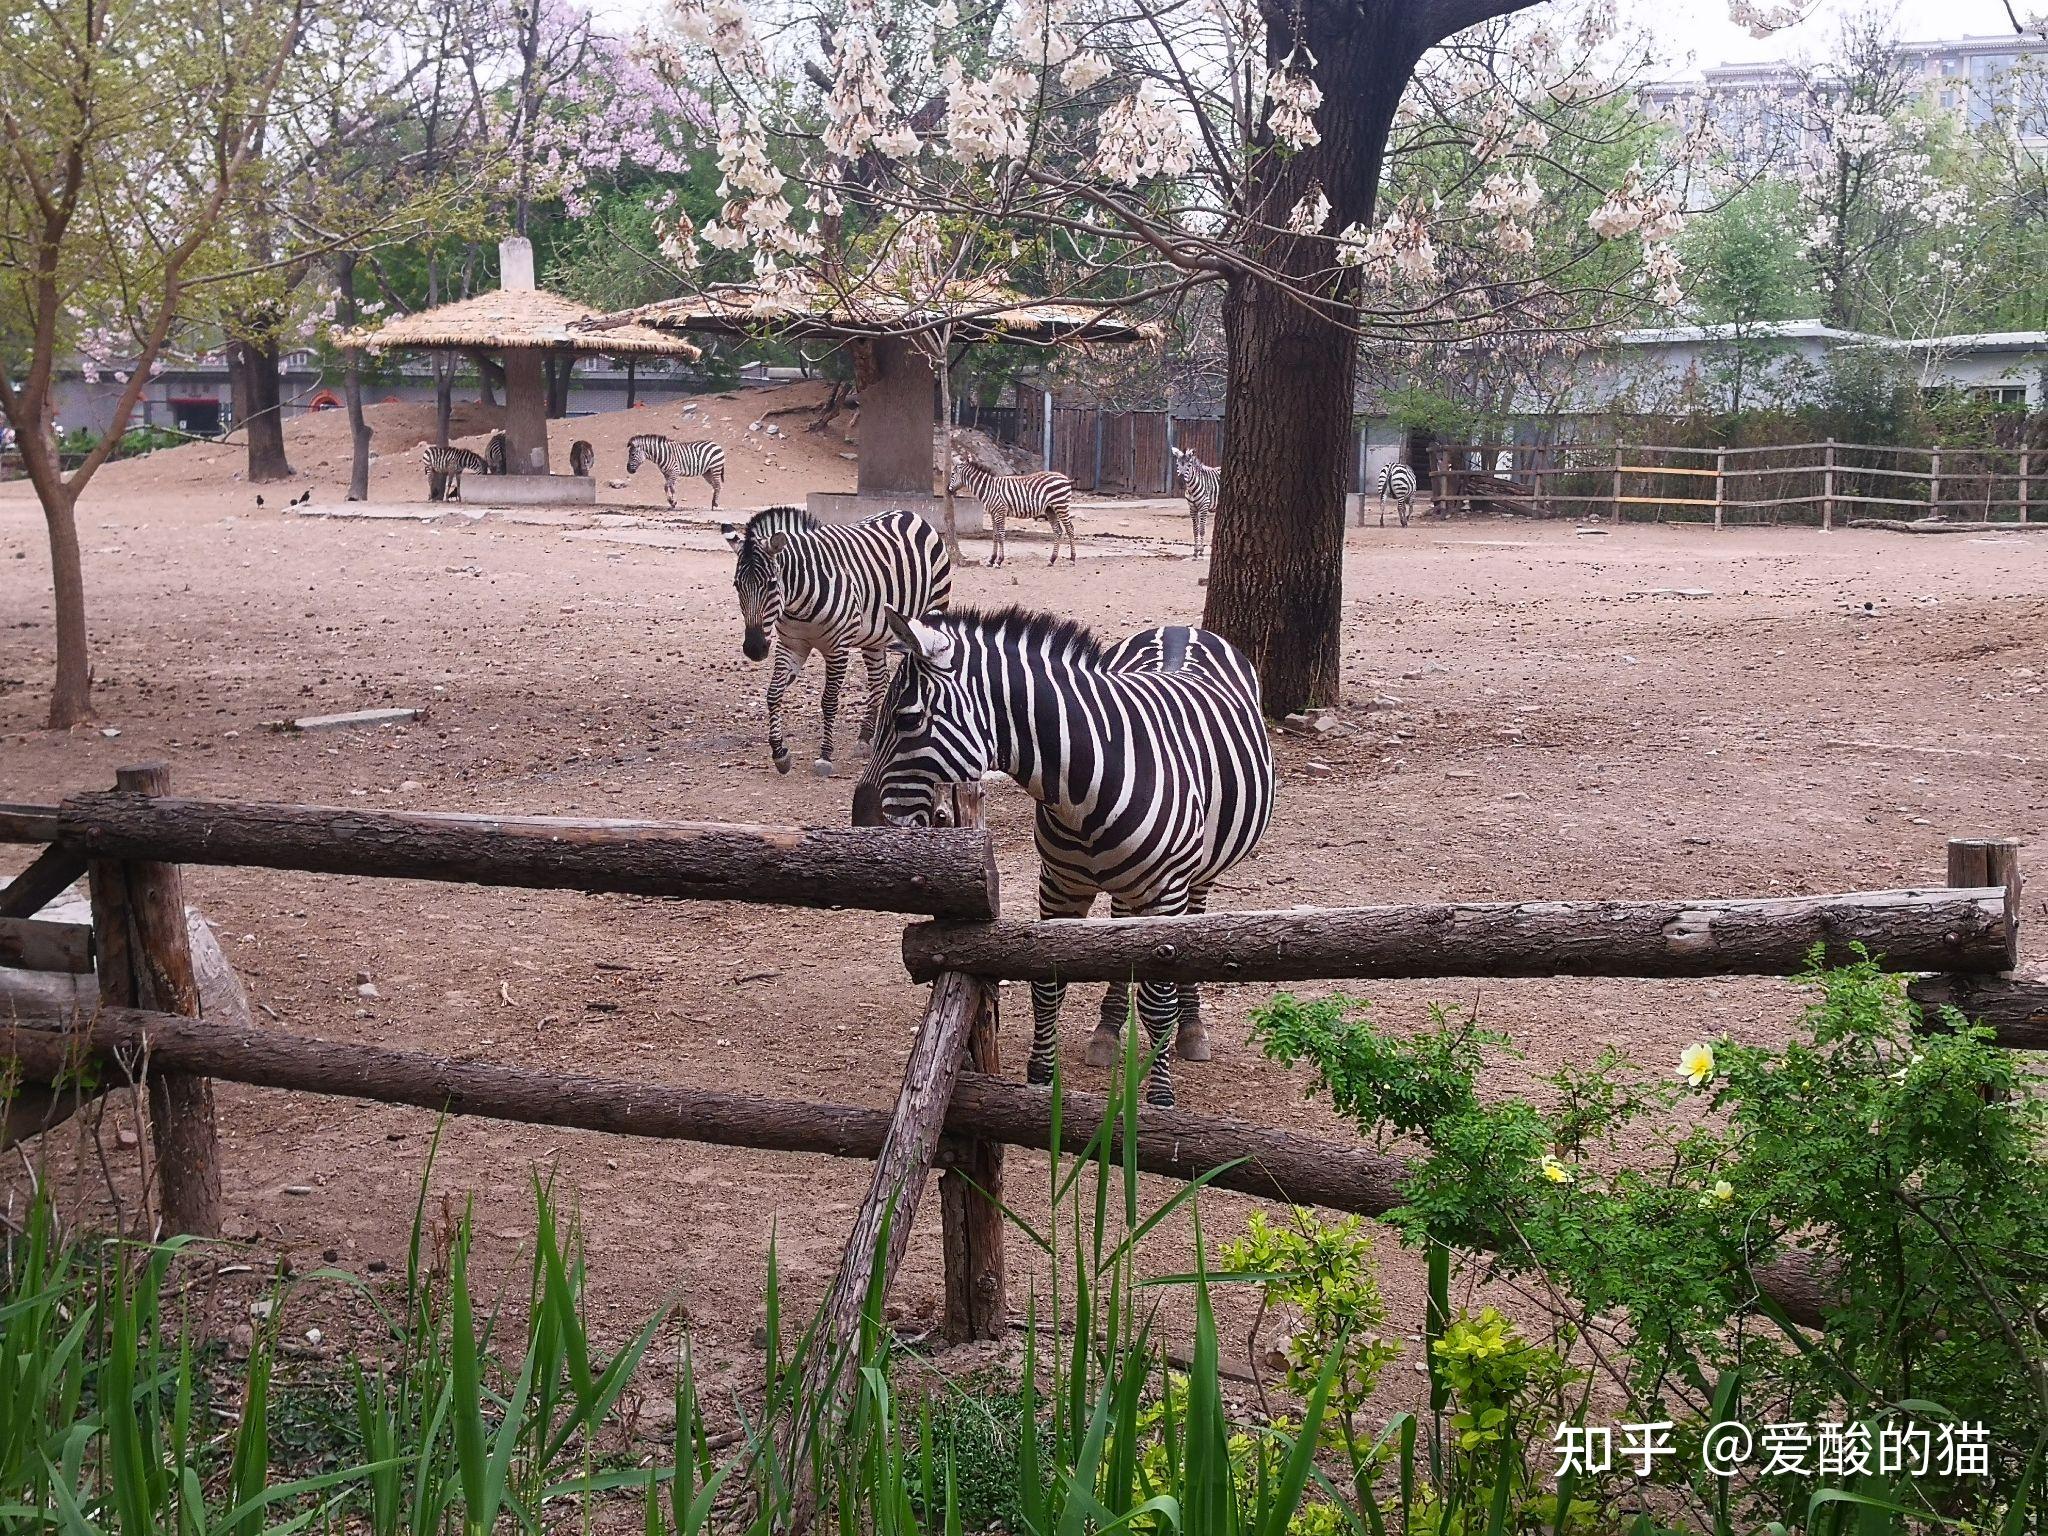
x: 935, y: 645
x: 733, y: 536
x: 778, y: 543
x: 906, y: 638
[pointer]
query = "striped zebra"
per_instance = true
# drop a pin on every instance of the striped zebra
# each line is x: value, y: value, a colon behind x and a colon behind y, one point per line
x: 445, y: 468
x: 1204, y: 488
x: 1398, y: 481
x: 818, y: 587
x: 1041, y: 494
x: 677, y: 461
x: 1148, y: 759
x: 582, y: 458
x: 494, y: 454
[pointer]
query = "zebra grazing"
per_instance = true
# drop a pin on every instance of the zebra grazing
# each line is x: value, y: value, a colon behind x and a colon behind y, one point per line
x: 494, y: 454
x: 445, y: 468
x: 1148, y: 759
x: 677, y: 461
x: 582, y: 458
x: 1398, y: 481
x: 1204, y: 487
x: 819, y: 587
x: 1041, y: 494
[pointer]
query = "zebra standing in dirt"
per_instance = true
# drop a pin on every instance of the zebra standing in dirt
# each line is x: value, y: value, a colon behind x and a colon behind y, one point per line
x: 1148, y: 759
x: 818, y: 587
x: 494, y: 454
x: 1041, y: 494
x: 445, y: 468
x: 1204, y: 488
x: 1398, y: 481
x: 677, y: 461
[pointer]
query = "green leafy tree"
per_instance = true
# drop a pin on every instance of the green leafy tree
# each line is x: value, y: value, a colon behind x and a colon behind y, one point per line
x: 1747, y: 273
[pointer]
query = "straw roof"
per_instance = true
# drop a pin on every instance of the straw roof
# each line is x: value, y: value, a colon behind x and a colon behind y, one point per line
x: 516, y: 318
x: 981, y: 313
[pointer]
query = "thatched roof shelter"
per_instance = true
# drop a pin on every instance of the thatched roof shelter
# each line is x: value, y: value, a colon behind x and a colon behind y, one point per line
x: 979, y: 312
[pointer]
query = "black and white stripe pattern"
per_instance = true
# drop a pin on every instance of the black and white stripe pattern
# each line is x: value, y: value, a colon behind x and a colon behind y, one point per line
x: 582, y: 458
x: 819, y: 587
x: 1148, y: 759
x: 1204, y: 488
x: 494, y: 454
x: 677, y: 461
x: 1040, y: 494
x: 445, y: 468
x: 1396, y: 480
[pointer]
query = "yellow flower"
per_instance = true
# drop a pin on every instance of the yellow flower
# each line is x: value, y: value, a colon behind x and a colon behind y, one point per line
x: 1696, y: 1064
x: 1555, y: 1171
x: 1723, y: 1191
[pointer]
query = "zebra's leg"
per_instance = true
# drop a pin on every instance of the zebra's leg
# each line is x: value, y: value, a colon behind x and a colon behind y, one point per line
x: 836, y: 661
x: 1383, y: 508
x: 1106, y: 1043
x: 1055, y: 899
x: 714, y: 481
x: 1193, y: 1040
x: 783, y: 667
x: 1159, y: 1010
x: 1073, y: 553
x: 877, y: 661
x: 1407, y: 506
x: 668, y: 484
x: 995, y: 516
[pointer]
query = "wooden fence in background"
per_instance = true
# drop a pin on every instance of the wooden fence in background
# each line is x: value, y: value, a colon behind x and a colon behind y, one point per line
x: 1826, y: 482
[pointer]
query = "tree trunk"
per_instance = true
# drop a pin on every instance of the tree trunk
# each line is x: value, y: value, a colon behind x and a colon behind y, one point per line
x: 352, y: 387
x: 486, y: 385
x: 941, y: 367
x: 258, y: 379
x: 561, y: 366
x: 1276, y: 580
x: 71, y: 698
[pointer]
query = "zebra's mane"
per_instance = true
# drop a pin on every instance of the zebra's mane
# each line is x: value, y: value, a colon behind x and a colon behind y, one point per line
x: 1069, y: 639
x: 764, y: 525
x: 648, y: 437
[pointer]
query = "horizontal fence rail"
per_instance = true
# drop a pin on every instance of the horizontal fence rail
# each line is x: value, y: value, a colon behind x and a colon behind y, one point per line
x: 945, y: 872
x: 1275, y: 1165
x: 1938, y: 929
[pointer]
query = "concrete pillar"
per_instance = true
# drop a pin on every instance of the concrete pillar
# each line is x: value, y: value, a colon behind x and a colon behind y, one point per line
x: 526, y: 412
x: 897, y: 423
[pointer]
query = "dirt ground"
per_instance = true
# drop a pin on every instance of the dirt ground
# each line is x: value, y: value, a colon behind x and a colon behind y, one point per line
x: 1530, y: 712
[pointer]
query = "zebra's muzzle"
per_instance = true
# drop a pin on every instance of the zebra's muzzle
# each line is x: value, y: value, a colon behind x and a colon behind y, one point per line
x: 755, y: 645
x: 867, y: 805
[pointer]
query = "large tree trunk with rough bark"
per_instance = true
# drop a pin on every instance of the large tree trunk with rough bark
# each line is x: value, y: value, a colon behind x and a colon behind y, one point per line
x: 352, y: 386
x: 258, y: 377
x: 1276, y: 577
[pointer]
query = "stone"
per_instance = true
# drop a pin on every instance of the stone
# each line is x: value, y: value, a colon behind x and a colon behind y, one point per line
x: 1315, y: 770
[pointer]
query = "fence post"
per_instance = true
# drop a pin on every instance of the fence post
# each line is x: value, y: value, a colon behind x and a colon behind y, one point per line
x: 1827, y: 487
x: 1617, y: 482
x: 1046, y: 436
x: 1934, y: 484
x: 971, y: 1221
x: 1097, y: 483
x: 1440, y: 482
x: 2024, y: 470
x: 145, y: 961
x: 1720, y: 469
x: 1980, y: 861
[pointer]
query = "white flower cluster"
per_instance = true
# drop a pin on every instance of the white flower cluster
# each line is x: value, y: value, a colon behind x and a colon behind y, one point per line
x: 755, y: 213
x: 1662, y: 266
x: 676, y: 237
x: 1039, y: 32
x: 985, y: 118
x: 1503, y: 195
x: 1763, y: 20
x: 859, y: 113
x: 1531, y: 138
x: 1311, y: 213
x: 723, y: 26
x: 1084, y: 69
x: 1400, y: 245
x: 1142, y: 136
x: 1861, y: 133
x: 945, y: 15
x: 1293, y: 97
x: 1659, y: 215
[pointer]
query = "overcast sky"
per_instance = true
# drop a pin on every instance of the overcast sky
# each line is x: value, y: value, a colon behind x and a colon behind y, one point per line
x: 1695, y: 34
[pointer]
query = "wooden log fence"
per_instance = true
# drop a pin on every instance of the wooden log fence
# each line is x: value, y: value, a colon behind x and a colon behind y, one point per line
x: 1826, y: 480
x: 953, y: 1112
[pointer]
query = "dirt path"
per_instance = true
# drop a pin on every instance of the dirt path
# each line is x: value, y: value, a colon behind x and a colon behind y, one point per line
x: 1530, y: 713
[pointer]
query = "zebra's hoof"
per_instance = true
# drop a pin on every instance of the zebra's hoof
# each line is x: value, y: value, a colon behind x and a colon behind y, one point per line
x: 1193, y: 1044
x: 822, y: 767
x: 1102, y: 1048
x: 1037, y: 1076
x: 781, y: 760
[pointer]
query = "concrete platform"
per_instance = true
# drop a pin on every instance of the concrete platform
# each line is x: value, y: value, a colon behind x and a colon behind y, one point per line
x: 529, y: 490
x: 857, y: 506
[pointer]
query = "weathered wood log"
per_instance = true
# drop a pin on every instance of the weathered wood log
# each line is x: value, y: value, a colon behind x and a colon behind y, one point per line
x: 1918, y: 930
x: 31, y: 945
x: 977, y: 1294
x: 1274, y: 1165
x: 2015, y: 1010
x: 144, y: 960
x: 47, y: 877
x: 948, y: 872
x: 27, y: 823
x: 1923, y: 525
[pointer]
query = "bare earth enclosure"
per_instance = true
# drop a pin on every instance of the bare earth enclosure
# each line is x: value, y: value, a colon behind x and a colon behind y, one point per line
x: 1531, y: 711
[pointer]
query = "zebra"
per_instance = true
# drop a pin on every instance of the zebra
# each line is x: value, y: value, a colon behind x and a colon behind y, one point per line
x: 1204, y: 487
x: 677, y: 461
x: 494, y: 454
x: 1396, y: 480
x: 828, y: 588
x: 445, y: 468
x: 582, y: 457
x: 1041, y: 493
x: 1148, y: 759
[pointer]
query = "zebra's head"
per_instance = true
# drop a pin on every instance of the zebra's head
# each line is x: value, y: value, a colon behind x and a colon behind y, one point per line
x: 636, y: 454
x: 956, y: 474
x: 758, y: 581
x: 929, y: 732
